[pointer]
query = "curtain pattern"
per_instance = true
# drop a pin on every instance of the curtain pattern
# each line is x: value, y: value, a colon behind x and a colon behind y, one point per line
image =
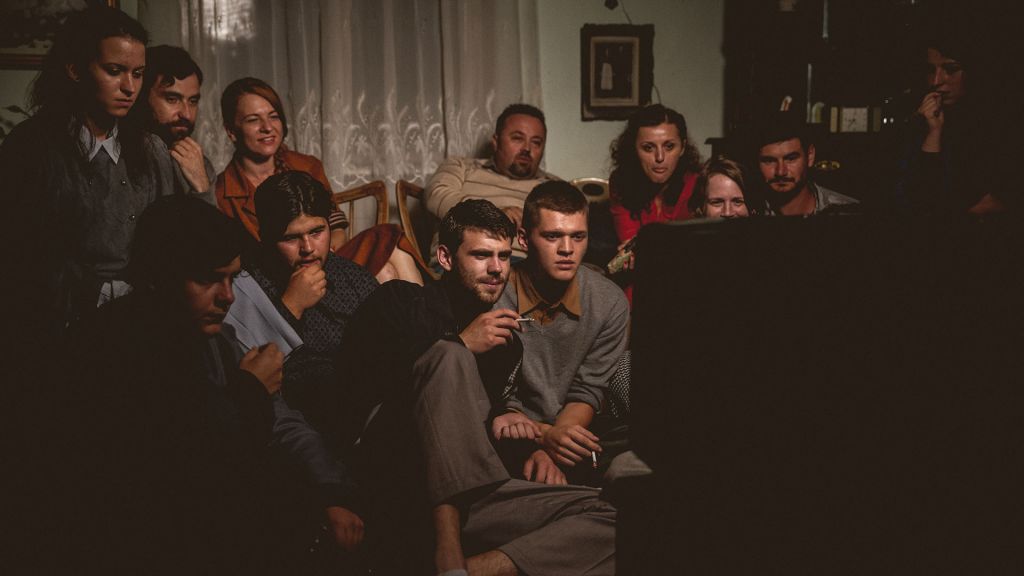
x: 377, y: 89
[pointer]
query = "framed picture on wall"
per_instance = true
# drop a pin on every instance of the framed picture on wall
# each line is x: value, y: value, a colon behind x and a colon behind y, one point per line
x: 28, y: 27
x: 617, y: 69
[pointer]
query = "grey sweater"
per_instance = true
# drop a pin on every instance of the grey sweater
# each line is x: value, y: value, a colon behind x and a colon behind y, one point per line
x: 570, y: 359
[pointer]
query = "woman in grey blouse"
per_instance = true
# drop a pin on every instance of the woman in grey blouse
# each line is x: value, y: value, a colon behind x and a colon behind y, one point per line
x: 76, y: 175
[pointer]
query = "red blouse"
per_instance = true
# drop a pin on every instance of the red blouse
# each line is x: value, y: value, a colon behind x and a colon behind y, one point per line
x: 626, y: 226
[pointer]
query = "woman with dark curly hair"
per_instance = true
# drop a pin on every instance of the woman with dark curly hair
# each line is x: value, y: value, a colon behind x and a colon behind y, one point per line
x: 655, y: 170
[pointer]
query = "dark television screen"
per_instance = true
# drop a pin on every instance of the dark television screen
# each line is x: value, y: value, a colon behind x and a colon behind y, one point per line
x: 834, y: 392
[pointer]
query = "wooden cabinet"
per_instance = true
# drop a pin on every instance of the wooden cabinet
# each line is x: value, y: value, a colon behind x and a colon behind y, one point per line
x: 824, y: 54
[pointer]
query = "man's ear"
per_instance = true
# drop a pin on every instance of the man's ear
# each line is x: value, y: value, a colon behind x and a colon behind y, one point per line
x: 72, y: 73
x: 521, y: 237
x: 444, y: 257
x: 494, y: 143
x: 810, y: 156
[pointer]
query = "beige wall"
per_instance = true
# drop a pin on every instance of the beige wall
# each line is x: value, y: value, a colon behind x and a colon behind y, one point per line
x: 689, y: 71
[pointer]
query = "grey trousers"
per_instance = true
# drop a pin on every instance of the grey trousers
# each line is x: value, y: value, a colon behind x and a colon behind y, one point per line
x: 559, y: 530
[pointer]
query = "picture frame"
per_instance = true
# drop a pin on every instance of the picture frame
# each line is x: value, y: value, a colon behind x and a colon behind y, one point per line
x: 617, y: 70
x: 29, y: 27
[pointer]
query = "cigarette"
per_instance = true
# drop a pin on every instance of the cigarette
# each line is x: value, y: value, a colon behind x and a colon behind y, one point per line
x: 593, y: 457
x: 524, y: 319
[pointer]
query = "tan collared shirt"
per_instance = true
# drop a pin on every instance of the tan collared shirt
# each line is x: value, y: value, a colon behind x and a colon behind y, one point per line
x: 533, y: 305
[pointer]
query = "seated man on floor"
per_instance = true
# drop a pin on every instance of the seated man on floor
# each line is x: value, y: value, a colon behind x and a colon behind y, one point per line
x: 421, y: 354
x: 186, y: 456
x: 315, y: 290
x: 504, y: 179
x: 573, y: 333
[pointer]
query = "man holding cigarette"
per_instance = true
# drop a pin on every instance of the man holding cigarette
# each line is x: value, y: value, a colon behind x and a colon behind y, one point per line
x: 430, y: 360
x: 575, y: 336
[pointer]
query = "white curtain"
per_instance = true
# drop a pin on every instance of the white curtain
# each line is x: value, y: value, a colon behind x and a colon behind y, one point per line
x: 377, y: 89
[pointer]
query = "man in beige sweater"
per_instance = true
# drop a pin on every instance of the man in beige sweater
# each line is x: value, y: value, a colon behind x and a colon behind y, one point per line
x: 505, y: 180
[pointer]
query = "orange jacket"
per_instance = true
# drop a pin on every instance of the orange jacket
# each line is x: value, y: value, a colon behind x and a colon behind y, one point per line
x: 236, y: 196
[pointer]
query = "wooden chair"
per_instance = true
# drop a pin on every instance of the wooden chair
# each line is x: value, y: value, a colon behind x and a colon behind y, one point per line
x: 403, y: 190
x: 595, y: 189
x: 346, y: 200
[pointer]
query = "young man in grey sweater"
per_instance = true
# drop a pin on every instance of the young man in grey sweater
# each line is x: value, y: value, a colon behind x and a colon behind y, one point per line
x: 573, y: 328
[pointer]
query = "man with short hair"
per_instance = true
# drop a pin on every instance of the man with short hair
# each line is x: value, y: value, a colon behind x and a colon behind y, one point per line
x: 188, y: 452
x: 785, y: 155
x: 168, y: 108
x: 573, y: 335
x: 505, y: 179
x: 433, y: 358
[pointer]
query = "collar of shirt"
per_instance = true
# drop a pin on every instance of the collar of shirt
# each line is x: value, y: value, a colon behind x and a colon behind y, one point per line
x: 236, y: 185
x: 112, y: 145
x: 533, y: 305
x: 819, y: 202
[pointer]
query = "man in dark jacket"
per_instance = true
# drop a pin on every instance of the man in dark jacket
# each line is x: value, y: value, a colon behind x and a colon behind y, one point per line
x: 190, y: 460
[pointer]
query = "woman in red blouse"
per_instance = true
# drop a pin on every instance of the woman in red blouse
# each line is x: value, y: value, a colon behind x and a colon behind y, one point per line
x: 654, y: 172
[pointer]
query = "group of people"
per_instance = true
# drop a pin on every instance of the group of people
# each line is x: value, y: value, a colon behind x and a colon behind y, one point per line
x: 448, y: 426
x: 657, y: 174
x: 408, y: 423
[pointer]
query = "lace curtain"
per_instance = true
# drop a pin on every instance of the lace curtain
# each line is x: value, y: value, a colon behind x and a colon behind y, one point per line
x: 377, y: 89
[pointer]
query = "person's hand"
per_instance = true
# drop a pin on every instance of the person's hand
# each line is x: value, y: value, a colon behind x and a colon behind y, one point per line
x: 540, y: 468
x: 514, y: 426
x: 490, y: 330
x: 629, y: 263
x: 338, y: 239
x: 568, y: 444
x: 265, y: 363
x: 515, y: 213
x: 305, y: 288
x: 931, y: 110
x: 346, y: 526
x: 987, y: 205
x: 189, y: 156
